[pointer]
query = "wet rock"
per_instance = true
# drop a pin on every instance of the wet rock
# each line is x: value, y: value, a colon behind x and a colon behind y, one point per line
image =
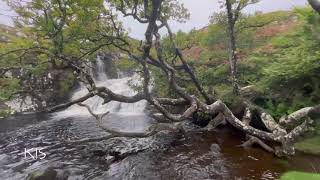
x: 110, y: 159
x: 62, y: 175
x: 189, y: 126
x: 119, y: 148
x: 99, y: 152
x: 48, y: 174
x: 4, y: 159
x: 215, y: 150
x: 162, y: 141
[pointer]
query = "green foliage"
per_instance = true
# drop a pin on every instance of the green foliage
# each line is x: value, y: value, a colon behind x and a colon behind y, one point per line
x: 278, y: 109
x: 299, y: 176
x: 170, y: 9
x: 53, y: 32
x: 215, y: 75
x: 175, y: 10
x: 66, y: 84
x: 284, y: 42
x: 225, y: 92
x: 216, y: 35
x: 257, y: 64
x: 212, y: 68
x: 5, y: 113
x: 125, y: 65
x: 289, y: 75
x: 161, y: 86
x: 284, y: 67
x: 8, y: 87
x: 259, y: 19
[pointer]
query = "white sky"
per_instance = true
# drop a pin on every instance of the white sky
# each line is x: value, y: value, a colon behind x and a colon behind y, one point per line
x: 200, y: 11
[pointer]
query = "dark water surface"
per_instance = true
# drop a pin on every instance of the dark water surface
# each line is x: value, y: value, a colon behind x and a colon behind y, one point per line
x: 210, y: 155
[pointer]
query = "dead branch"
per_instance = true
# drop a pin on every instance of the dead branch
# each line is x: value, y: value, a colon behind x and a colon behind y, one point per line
x: 114, y: 133
x: 195, y: 81
x: 254, y: 140
x: 68, y: 104
x: 294, y: 117
x: 246, y: 119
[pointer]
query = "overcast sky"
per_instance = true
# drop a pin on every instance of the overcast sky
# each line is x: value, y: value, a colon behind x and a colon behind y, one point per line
x: 200, y: 12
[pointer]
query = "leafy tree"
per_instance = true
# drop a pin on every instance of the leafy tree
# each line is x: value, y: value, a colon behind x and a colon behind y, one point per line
x: 292, y: 76
x: 57, y: 35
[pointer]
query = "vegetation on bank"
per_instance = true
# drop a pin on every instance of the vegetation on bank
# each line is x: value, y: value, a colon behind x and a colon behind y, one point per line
x: 26, y: 73
x: 5, y: 112
x: 37, y: 53
x: 299, y: 176
x: 279, y: 59
x: 278, y: 54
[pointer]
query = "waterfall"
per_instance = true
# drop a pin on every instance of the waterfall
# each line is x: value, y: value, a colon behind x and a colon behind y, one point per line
x: 119, y: 86
x: 101, y: 70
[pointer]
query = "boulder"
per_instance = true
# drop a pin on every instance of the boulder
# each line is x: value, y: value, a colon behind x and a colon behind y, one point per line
x: 45, y: 174
x: 48, y: 174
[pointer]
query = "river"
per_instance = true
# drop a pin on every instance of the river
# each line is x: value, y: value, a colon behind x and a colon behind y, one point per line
x: 201, y: 155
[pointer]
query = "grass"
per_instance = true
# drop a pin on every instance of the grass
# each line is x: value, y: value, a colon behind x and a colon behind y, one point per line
x: 311, y: 145
x: 300, y: 176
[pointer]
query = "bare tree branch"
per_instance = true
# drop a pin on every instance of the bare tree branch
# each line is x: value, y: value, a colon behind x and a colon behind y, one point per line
x: 68, y: 104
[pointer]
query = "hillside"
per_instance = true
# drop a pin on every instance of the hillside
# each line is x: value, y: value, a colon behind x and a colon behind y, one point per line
x: 278, y: 63
x: 276, y: 28
x: 264, y: 42
x: 7, y: 33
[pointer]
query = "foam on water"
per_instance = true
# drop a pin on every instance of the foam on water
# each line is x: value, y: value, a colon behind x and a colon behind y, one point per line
x: 119, y: 86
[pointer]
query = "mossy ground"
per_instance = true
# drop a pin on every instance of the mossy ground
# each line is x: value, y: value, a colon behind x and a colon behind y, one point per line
x: 311, y: 145
x: 300, y: 176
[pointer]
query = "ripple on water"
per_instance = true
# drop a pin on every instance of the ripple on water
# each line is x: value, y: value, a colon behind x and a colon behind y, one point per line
x: 213, y: 155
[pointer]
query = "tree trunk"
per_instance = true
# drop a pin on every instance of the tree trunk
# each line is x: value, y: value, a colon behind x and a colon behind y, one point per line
x: 232, y: 47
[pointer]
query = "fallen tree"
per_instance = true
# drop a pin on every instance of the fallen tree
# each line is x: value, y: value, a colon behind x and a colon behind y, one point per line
x: 276, y: 133
x: 280, y: 135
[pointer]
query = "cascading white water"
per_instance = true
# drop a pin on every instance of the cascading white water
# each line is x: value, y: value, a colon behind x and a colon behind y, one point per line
x: 119, y: 86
